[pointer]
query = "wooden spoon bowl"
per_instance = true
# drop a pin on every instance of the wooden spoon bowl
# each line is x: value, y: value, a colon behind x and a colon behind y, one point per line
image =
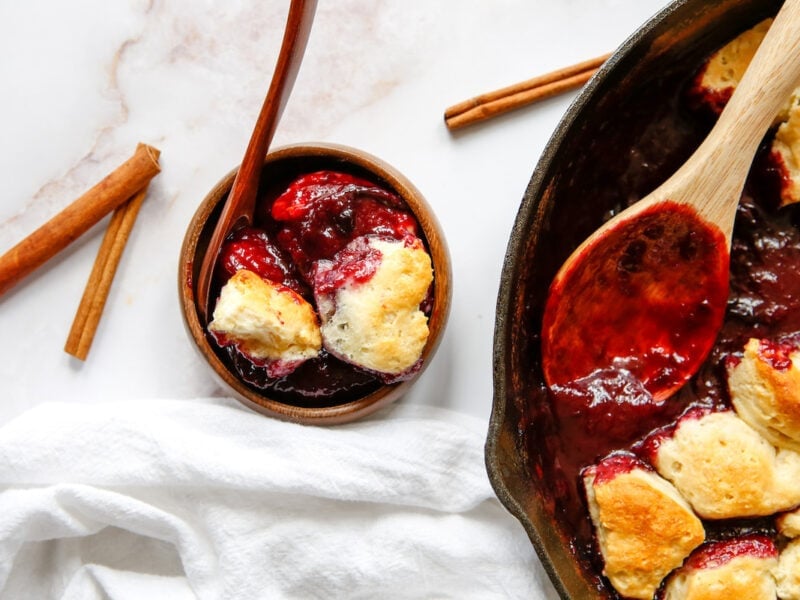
x: 283, y: 165
x: 663, y: 262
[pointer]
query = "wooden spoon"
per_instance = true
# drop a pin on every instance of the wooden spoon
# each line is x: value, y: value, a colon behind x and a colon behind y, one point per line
x: 647, y: 291
x: 240, y: 204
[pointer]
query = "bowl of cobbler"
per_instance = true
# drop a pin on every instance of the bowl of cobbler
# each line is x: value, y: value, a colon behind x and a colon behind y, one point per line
x: 332, y: 303
x: 696, y: 495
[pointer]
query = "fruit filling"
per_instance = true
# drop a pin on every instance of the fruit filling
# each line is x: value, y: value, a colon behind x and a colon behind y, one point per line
x: 321, y: 213
x: 321, y: 242
x: 728, y: 440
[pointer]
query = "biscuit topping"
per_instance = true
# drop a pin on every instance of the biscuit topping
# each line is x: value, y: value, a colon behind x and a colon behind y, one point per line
x: 765, y: 390
x: 269, y: 323
x: 369, y: 300
x: 736, y: 568
x: 644, y: 528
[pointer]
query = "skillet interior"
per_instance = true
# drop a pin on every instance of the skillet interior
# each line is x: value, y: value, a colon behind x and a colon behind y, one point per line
x: 573, y: 188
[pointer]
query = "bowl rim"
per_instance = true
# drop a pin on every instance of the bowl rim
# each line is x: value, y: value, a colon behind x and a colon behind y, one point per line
x: 440, y: 257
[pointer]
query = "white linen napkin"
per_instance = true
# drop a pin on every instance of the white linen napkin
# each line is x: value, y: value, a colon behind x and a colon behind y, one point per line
x: 206, y: 499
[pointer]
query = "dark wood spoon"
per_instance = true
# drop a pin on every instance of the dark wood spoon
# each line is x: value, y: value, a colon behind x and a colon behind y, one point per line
x: 647, y: 291
x: 240, y: 204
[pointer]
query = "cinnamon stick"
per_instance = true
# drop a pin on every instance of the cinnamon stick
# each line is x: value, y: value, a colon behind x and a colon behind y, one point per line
x: 95, y: 294
x: 497, y: 102
x: 73, y: 221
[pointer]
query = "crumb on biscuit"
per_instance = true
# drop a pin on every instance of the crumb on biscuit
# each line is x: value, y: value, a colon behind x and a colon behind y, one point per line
x: 765, y: 391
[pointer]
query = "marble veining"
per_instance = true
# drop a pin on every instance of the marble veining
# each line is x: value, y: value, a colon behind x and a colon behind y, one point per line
x: 85, y: 81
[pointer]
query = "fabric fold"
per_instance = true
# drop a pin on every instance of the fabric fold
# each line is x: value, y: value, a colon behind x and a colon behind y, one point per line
x: 207, y: 499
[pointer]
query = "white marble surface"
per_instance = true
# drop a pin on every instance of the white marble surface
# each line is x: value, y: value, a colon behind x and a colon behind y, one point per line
x: 84, y: 81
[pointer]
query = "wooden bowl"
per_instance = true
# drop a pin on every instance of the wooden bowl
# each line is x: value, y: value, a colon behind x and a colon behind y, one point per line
x: 580, y: 179
x: 280, y: 167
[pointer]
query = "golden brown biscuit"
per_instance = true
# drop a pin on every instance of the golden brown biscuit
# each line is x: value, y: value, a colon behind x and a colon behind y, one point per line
x: 724, y: 69
x: 786, y: 152
x: 738, y: 569
x: 789, y: 523
x: 268, y: 322
x: 644, y: 528
x: 765, y: 391
x: 725, y: 469
x: 377, y: 323
x: 787, y: 572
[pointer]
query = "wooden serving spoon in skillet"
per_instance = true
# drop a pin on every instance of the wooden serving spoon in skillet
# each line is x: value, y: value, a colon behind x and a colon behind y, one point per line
x: 647, y: 291
x: 240, y: 204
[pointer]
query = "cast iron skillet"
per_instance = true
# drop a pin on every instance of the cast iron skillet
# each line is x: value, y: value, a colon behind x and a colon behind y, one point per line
x: 583, y: 176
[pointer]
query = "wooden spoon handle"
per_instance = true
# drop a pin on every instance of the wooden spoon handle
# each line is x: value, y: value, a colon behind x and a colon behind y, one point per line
x: 243, y: 194
x: 240, y: 204
x: 716, y: 173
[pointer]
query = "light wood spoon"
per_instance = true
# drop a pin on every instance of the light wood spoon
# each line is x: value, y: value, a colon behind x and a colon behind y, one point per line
x: 647, y: 291
x: 239, y: 206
